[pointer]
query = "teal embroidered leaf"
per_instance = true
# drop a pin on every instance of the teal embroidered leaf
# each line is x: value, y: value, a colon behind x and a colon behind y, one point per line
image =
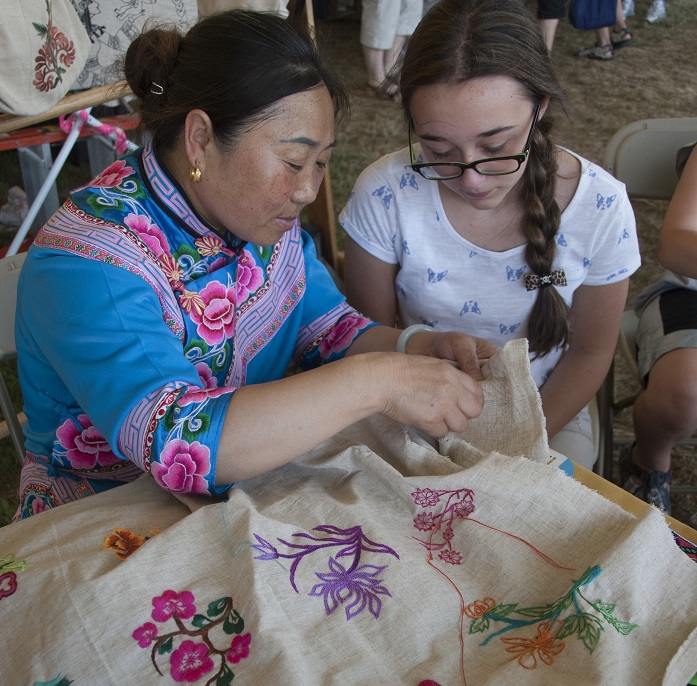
x: 168, y: 419
x: 542, y: 611
x: 225, y: 678
x: 502, y: 610
x: 479, y: 625
x: 217, y: 607
x: 233, y: 624
x: 201, y: 424
x: 590, y: 629
x: 200, y: 621
x: 569, y: 626
x: 165, y: 646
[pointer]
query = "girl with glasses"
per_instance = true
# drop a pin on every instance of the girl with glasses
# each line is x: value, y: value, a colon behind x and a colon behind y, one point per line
x: 484, y: 225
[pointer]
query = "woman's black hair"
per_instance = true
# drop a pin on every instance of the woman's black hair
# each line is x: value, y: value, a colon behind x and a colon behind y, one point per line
x: 235, y: 66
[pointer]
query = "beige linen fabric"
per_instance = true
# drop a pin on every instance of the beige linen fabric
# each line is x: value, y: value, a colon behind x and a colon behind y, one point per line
x: 372, y: 559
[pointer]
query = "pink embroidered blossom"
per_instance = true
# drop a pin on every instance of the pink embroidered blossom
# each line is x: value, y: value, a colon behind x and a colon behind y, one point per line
x: 38, y: 506
x: 239, y: 649
x: 86, y: 447
x: 217, y: 321
x: 209, y: 246
x: 172, y: 271
x: 183, y: 467
x: 425, y: 497
x: 464, y: 508
x: 424, y: 521
x: 249, y: 277
x: 172, y: 603
x: 209, y: 383
x: 113, y: 175
x: 452, y: 557
x: 149, y: 233
x: 8, y: 584
x: 448, y: 533
x: 145, y: 634
x: 342, y: 335
x: 190, y: 661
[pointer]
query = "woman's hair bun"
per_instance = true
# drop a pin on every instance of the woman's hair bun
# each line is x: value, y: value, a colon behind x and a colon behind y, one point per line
x: 150, y: 59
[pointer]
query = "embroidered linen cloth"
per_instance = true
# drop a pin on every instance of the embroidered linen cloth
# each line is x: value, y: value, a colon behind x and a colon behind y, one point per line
x: 373, y: 559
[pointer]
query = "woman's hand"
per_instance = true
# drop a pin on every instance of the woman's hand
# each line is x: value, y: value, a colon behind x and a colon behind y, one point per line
x: 426, y: 392
x: 467, y: 351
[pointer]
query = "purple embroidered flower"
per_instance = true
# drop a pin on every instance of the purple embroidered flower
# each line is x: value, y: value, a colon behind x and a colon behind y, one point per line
x: 355, y: 589
x: 249, y: 276
x: 210, y: 389
x: 239, y: 649
x: 172, y: 603
x: 145, y: 634
x: 425, y: 497
x: 452, y: 557
x: 149, y: 233
x: 424, y: 521
x: 217, y: 321
x: 190, y: 661
x: 113, y: 175
x: 86, y: 448
x: 342, y: 335
x: 183, y: 467
x: 8, y: 584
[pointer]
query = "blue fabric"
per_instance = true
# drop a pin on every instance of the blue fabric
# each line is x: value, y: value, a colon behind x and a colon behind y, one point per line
x: 136, y: 323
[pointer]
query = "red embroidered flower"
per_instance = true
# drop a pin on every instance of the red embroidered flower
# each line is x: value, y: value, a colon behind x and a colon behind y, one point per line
x: 425, y: 497
x: 113, y: 175
x: 451, y: 557
x: 342, y: 335
x: 55, y: 55
x: 424, y: 521
x: 190, y: 661
x: 249, y: 277
x: 145, y: 634
x: 217, y: 321
x: 86, y: 447
x: 239, y: 649
x: 172, y: 603
x: 8, y: 584
x: 183, y: 467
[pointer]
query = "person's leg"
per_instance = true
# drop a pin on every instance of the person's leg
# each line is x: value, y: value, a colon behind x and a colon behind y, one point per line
x: 377, y: 37
x: 621, y: 35
x: 602, y: 50
x: 666, y: 411
x: 575, y: 440
x: 549, y: 31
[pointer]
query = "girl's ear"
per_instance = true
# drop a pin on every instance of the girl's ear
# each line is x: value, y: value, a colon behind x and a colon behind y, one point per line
x: 198, y: 138
x: 543, y: 107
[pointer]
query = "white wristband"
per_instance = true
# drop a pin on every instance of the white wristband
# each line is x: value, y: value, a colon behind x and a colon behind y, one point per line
x: 408, y: 333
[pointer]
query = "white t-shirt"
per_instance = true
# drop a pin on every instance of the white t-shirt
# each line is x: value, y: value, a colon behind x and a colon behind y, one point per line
x: 451, y: 284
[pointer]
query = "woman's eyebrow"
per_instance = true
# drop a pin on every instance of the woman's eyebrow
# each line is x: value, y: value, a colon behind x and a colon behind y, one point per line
x: 484, y: 134
x: 304, y: 140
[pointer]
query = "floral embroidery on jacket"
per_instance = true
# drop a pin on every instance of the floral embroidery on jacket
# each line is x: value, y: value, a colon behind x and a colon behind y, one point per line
x: 193, y: 653
x: 55, y: 56
x: 84, y: 446
x: 183, y: 467
x: 354, y: 586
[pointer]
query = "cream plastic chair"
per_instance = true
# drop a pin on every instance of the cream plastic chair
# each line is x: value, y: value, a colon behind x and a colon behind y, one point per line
x: 642, y: 156
x: 9, y: 275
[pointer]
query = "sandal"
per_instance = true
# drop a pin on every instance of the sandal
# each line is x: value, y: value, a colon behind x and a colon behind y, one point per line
x: 598, y: 52
x: 621, y: 38
x: 384, y: 91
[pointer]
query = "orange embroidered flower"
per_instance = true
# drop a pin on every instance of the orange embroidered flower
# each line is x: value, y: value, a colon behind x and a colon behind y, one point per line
x: 543, y: 645
x: 477, y: 609
x: 190, y: 300
x: 123, y: 542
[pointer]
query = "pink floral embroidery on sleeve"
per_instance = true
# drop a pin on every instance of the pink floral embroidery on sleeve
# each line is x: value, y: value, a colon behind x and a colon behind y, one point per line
x: 210, y: 387
x: 183, y: 467
x: 249, y: 277
x: 342, y: 335
x: 217, y: 320
x: 85, y: 447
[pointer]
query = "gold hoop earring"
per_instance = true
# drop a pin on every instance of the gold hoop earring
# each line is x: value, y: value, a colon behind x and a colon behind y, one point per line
x: 195, y: 174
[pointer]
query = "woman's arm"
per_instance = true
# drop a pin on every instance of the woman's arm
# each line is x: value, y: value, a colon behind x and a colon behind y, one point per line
x: 595, y: 319
x: 678, y: 240
x: 370, y: 286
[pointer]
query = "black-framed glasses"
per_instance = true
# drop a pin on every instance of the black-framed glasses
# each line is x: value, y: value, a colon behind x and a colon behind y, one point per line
x: 489, y: 166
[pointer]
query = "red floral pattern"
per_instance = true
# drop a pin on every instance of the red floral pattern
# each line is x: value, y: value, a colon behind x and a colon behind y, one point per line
x: 55, y: 56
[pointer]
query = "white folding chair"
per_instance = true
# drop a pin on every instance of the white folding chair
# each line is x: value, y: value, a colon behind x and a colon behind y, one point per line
x: 641, y: 155
x: 9, y: 275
